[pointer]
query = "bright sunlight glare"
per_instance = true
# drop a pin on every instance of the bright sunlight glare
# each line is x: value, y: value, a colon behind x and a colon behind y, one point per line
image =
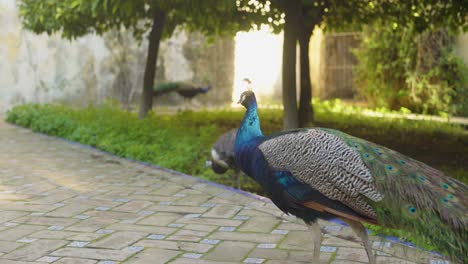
x: 257, y: 57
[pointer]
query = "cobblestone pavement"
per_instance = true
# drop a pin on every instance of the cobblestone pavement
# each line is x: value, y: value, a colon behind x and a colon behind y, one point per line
x: 66, y: 203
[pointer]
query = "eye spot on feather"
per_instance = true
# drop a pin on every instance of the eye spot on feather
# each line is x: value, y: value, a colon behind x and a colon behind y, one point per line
x: 452, y: 198
x: 446, y: 202
x: 410, y: 210
x: 391, y: 169
x: 402, y: 162
x: 367, y: 156
x: 446, y: 187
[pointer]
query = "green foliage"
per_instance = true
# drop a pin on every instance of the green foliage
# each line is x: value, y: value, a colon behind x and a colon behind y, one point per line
x: 74, y: 18
x: 423, y: 14
x: 400, y: 68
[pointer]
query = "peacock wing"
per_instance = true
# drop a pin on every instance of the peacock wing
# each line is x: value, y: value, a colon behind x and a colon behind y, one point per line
x: 326, y: 163
x: 412, y: 189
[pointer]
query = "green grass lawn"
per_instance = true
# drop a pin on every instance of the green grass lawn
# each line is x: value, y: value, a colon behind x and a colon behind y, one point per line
x: 182, y: 141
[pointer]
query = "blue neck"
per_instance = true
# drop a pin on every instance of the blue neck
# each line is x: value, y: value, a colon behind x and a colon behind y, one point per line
x: 250, y: 126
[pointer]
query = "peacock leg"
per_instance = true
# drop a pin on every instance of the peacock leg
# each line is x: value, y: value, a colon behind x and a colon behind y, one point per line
x: 238, y: 179
x: 317, y: 235
x: 359, y: 229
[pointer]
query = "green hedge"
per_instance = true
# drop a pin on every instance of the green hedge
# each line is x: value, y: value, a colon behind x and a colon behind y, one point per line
x: 182, y: 141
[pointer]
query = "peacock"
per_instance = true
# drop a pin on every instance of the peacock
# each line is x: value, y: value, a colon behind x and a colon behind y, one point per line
x: 184, y: 89
x: 222, y: 155
x: 323, y: 173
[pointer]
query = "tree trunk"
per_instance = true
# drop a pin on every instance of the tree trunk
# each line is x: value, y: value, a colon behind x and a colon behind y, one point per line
x: 306, y: 113
x: 150, y: 70
x: 292, y: 10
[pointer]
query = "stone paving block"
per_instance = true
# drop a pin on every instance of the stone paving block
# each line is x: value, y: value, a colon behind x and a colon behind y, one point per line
x: 167, y: 190
x: 92, y: 253
x: 114, y: 215
x: 192, y: 200
x: 75, y: 261
x: 223, y: 211
x: 292, y: 226
x: 153, y: 256
x: 18, y: 232
x: 248, y: 237
x: 35, y: 250
x: 152, y: 198
x: 48, y: 234
x: 7, y: 261
x: 175, y: 245
x: 54, y: 198
x: 118, y: 240
x: 253, y: 212
x: 44, y: 220
x: 259, y: 224
x: 160, y: 219
x: 390, y: 260
x: 199, y: 261
x: 187, y: 235
x: 7, y: 246
x: 210, y: 221
x: 352, y: 254
x: 207, y: 228
x: 338, y: 241
x: 272, y: 253
x: 13, y: 197
x: 71, y: 210
x: 308, y: 256
x: 85, y: 236
x: 91, y: 224
x: 142, y: 228
x: 6, y: 216
x: 230, y: 251
x: 178, y: 209
x: 133, y: 206
x: 27, y: 207
x: 298, y: 240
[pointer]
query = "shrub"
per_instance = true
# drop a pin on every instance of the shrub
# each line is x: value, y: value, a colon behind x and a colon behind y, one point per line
x: 400, y: 68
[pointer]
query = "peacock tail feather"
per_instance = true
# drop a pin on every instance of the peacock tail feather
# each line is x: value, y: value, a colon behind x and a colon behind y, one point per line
x: 417, y: 197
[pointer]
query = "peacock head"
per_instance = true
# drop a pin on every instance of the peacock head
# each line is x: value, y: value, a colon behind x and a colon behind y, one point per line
x: 247, y: 98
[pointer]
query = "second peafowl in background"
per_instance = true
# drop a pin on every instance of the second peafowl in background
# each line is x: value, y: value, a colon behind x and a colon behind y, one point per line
x: 323, y: 173
x: 188, y: 91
